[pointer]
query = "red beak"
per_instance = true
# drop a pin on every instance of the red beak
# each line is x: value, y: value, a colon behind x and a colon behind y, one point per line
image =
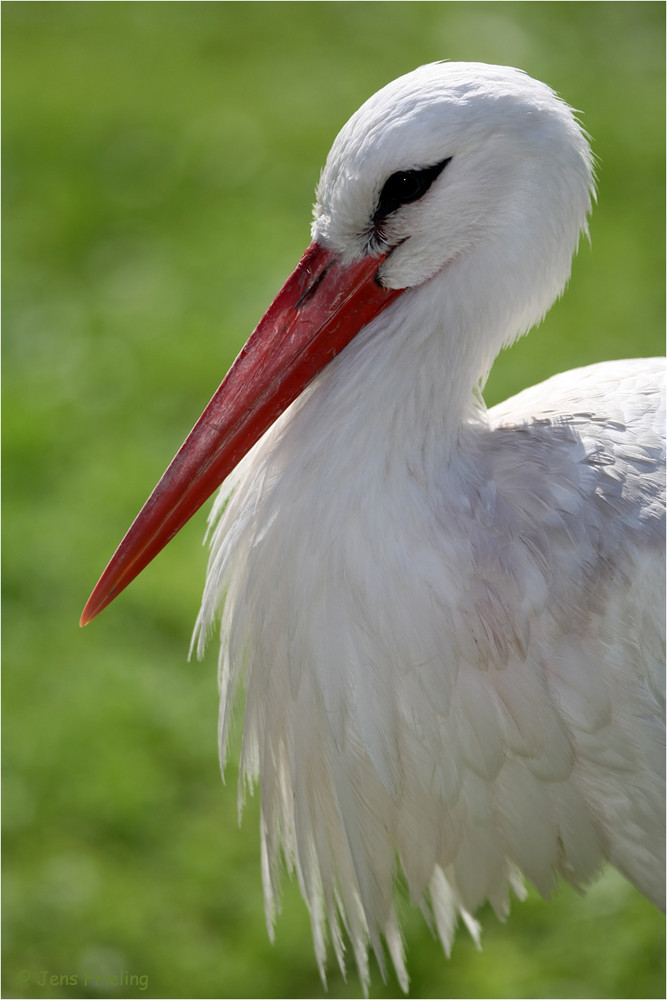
x: 318, y: 311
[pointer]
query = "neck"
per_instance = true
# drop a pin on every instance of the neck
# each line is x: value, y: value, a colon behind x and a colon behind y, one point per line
x: 404, y: 390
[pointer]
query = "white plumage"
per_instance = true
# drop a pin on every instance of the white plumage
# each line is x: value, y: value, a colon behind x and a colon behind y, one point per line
x: 448, y: 620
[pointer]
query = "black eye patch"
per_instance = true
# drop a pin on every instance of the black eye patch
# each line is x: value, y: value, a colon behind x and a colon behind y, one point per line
x: 405, y: 186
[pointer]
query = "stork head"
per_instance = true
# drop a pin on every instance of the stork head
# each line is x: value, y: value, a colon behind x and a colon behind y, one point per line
x: 462, y: 163
x: 473, y: 171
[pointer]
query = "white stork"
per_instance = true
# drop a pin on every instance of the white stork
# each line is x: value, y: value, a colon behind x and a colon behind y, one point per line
x: 447, y: 619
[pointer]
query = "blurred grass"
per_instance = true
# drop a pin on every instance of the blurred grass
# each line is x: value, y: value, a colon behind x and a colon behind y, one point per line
x: 159, y: 164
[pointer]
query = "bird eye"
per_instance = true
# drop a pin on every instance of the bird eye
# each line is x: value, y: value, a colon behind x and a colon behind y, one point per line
x: 406, y: 186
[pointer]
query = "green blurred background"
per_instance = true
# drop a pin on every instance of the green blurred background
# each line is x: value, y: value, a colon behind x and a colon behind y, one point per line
x: 159, y: 167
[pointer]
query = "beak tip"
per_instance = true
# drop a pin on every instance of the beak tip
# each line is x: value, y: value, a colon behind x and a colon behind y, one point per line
x: 94, y: 605
x: 86, y: 616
